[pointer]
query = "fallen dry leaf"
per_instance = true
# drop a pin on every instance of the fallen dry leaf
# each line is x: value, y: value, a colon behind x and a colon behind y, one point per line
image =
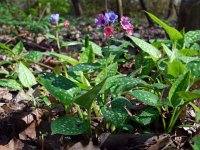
x: 14, y: 144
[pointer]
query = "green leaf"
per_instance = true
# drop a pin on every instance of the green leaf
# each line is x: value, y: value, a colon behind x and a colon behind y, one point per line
x: 169, y: 53
x: 176, y: 68
x: 117, y: 114
x: 188, y: 96
x: 87, y: 55
x: 188, y: 52
x: 120, y: 103
x: 172, y: 32
x: 18, y: 48
x: 66, y: 58
x: 159, y: 86
x: 11, y: 84
x: 117, y: 118
x: 26, y: 77
x: 85, y: 67
x: 71, y: 43
x: 118, y: 80
x: 6, y: 50
x: 69, y: 125
x: 197, y: 116
x: 147, y: 97
x: 187, y: 59
x: 196, y: 145
x: 146, y: 47
x: 96, y: 48
x: 192, y: 37
x: 59, y: 87
x: 181, y: 84
x: 146, y: 117
x: 148, y: 66
x: 35, y: 56
x: 111, y: 70
x: 194, y: 67
x: 145, y: 63
x: 50, y: 36
x: 87, y: 99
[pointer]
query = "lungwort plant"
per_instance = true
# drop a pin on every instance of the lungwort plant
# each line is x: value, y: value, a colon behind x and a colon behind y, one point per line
x: 165, y: 71
x: 171, y: 67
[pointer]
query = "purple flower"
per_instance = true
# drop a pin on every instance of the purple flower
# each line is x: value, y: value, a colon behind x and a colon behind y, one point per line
x: 54, y: 18
x: 101, y: 20
x: 111, y: 16
x: 125, y: 22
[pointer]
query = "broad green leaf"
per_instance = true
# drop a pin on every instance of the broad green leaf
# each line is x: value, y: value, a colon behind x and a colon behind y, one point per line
x: 66, y: 58
x: 117, y: 114
x: 59, y: 87
x: 188, y: 52
x: 87, y: 55
x: 96, y: 48
x: 172, y: 32
x: 71, y: 43
x: 159, y: 86
x: 26, y: 77
x: 85, y: 67
x: 35, y: 56
x: 187, y: 59
x: 51, y: 36
x: 120, y: 103
x: 146, y: 97
x: 10, y: 83
x: 5, y: 72
x: 69, y: 125
x: 145, y: 63
x: 168, y: 52
x: 6, y: 50
x: 146, y: 117
x: 194, y: 67
x: 118, y: 80
x: 84, y: 80
x: 148, y: 66
x: 181, y: 84
x: 115, y: 117
x: 87, y: 99
x: 176, y: 68
x: 18, y: 48
x: 192, y: 37
x: 188, y: 96
x: 196, y: 140
x: 45, y: 100
x: 111, y: 70
x: 146, y: 47
x: 138, y: 61
x: 197, y: 117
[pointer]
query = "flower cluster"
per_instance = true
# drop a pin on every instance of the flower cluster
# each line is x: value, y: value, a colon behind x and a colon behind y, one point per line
x: 109, y: 18
x: 54, y: 19
x: 126, y: 25
x: 105, y: 21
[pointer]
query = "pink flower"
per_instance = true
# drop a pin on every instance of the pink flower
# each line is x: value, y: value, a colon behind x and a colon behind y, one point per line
x: 66, y: 24
x: 129, y: 29
x: 108, y: 30
x: 126, y: 25
x: 125, y: 22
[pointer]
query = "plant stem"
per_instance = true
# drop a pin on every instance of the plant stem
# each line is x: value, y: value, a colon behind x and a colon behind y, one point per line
x: 89, y: 133
x: 57, y: 40
x: 163, y: 119
x: 64, y: 69
x: 96, y: 109
x: 79, y: 111
x: 174, y: 118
